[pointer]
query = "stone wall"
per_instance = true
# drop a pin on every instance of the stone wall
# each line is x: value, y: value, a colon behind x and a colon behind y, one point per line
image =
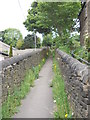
x: 77, y: 84
x: 13, y: 70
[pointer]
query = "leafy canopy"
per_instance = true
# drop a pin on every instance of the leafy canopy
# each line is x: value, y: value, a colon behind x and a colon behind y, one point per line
x: 47, y: 40
x: 45, y: 17
x: 29, y: 41
x: 34, y: 20
x: 19, y: 43
x: 11, y: 36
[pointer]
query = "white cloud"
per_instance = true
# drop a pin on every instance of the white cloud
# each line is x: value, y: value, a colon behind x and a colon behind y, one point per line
x: 12, y: 16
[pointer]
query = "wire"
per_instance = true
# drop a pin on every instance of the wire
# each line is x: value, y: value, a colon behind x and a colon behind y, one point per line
x: 21, y: 9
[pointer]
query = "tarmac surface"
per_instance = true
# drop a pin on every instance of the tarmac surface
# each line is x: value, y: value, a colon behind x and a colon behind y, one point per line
x: 39, y: 101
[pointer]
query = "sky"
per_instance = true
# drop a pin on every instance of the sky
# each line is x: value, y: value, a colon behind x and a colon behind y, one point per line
x: 13, y: 13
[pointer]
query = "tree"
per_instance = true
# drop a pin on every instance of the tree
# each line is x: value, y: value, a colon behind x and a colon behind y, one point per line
x: 46, y: 17
x: 35, y: 20
x: 11, y: 36
x: 2, y: 35
x: 19, y: 44
x: 29, y: 41
x: 38, y: 42
x: 47, y: 40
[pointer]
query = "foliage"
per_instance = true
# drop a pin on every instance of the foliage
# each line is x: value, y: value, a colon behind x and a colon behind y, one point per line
x: 19, y: 44
x: 61, y: 40
x: 45, y: 17
x: 60, y: 96
x: 89, y: 57
x: 38, y: 42
x: 87, y: 43
x: 9, y: 107
x: 73, y: 42
x: 11, y: 51
x: 72, y: 45
x: 11, y: 36
x: 34, y: 21
x: 29, y: 41
x: 2, y: 35
x: 47, y: 40
x: 65, y: 48
x: 81, y: 52
x: 50, y: 17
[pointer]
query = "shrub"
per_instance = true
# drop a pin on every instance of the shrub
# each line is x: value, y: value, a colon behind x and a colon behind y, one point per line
x: 10, y: 52
x: 81, y: 52
x: 19, y: 44
x: 88, y: 56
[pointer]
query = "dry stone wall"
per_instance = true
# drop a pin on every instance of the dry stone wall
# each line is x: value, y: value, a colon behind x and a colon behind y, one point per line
x: 13, y: 70
x: 77, y: 83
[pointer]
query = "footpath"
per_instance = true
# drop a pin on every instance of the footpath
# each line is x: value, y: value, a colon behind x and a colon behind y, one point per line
x: 39, y: 101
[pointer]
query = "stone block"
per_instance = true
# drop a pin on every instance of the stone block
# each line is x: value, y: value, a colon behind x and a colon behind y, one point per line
x: 14, y: 70
x: 76, y: 82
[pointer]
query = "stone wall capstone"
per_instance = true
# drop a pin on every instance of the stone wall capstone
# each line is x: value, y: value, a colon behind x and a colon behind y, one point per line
x: 13, y: 70
x: 77, y: 83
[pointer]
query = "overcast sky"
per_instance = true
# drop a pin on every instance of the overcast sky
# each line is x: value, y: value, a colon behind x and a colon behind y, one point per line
x: 13, y: 14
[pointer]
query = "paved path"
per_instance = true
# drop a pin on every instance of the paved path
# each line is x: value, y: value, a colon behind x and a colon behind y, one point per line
x: 20, y: 52
x: 39, y: 102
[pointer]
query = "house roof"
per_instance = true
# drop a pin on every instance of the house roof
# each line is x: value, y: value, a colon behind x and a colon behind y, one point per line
x: 5, y: 54
x: 2, y: 44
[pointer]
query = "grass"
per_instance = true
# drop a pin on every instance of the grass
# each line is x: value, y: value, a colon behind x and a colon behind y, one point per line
x: 60, y: 96
x: 10, y: 106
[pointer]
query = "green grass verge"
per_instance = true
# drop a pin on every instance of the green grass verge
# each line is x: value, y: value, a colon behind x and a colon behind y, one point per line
x: 9, y: 107
x: 60, y: 97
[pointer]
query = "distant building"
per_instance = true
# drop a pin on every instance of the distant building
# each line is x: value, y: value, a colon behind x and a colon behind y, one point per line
x: 84, y: 17
x: 4, y: 50
x: 3, y: 55
x: 4, y: 47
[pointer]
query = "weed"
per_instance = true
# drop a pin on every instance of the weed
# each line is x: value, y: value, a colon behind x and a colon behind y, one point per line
x: 51, y: 84
x: 60, y: 96
x: 9, y: 107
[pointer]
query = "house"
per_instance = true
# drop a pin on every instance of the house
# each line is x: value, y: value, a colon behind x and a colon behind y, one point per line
x: 3, y: 55
x: 84, y: 17
x: 4, y: 50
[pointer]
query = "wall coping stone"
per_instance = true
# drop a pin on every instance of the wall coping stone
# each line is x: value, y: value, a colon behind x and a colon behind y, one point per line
x: 16, y: 59
x: 77, y: 83
x: 71, y: 61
